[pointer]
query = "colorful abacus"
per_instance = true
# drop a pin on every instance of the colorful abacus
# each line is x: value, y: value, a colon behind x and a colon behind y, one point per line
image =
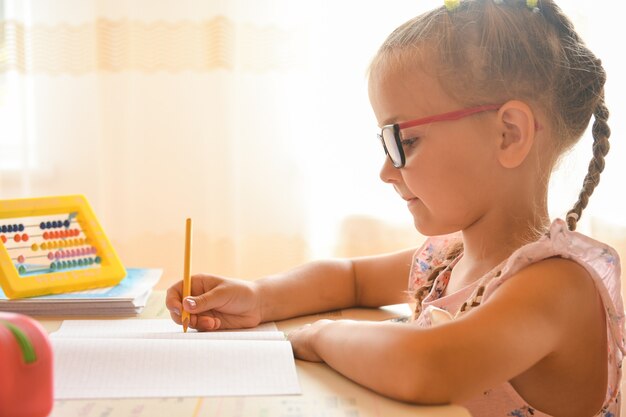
x: 46, y: 244
x: 53, y: 244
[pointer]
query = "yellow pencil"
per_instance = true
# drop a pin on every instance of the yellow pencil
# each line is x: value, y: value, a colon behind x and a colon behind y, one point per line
x: 187, y: 274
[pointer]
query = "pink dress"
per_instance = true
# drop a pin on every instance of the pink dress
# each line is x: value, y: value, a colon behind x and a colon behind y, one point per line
x: 600, y: 260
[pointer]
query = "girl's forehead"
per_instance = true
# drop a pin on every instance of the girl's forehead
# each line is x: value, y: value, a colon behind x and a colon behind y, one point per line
x: 402, y: 91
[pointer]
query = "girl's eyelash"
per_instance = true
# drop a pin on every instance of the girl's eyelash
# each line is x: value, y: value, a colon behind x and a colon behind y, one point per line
x: 409, y: 141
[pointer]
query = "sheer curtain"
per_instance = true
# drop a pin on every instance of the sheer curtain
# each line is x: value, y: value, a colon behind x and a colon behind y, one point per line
x: 251, y: 117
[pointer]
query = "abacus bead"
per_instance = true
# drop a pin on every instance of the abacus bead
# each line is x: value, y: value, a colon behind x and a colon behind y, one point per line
x: 21, y: 227
x: 17, y: 238
x: 42, y: 225
x: 66, y: 223
x: 34, y: 247
x: 20, y: 259
x: 22, y: 269
x: 25, y: 237
x: 4, y: 239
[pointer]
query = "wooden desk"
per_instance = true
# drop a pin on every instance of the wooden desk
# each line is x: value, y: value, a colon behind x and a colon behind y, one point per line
x: 325, y: 393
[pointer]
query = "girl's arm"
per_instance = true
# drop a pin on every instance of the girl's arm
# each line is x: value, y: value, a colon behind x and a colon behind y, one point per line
x: 335, y: 284
x: 537, y: 315
x: 226, y: 303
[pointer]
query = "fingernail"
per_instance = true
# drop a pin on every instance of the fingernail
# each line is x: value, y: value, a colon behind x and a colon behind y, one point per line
x: 191, y: 302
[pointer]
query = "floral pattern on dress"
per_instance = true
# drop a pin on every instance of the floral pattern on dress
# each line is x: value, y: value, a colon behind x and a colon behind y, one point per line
x: 525, y: 411
x: 430, y: 256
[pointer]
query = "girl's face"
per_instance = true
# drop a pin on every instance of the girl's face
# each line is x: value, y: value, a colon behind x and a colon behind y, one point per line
x: 451, y: 169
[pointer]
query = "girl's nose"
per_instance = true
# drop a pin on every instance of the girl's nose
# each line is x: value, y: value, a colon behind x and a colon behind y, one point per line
x: 388, y: 172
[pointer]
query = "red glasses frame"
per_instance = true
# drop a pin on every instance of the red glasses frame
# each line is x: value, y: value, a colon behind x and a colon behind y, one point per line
x: 390, y: 134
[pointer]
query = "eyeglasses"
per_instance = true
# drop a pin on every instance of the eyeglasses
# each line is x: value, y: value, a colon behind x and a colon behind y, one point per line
x: 392, y: 141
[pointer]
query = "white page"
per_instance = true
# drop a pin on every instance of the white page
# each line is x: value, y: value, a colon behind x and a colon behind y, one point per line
x: 129, y: 368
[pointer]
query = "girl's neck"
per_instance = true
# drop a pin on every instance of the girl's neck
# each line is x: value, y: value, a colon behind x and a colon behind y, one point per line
x: 489, y: 242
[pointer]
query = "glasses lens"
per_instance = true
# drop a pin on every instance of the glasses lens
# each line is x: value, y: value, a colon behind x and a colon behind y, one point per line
x: 392, y: 146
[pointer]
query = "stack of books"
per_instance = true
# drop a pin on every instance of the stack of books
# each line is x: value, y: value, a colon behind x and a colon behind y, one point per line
x: 127, y: 298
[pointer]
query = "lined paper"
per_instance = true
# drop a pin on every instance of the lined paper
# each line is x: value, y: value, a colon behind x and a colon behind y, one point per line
x: 123, y: 362
x: 158, y: 329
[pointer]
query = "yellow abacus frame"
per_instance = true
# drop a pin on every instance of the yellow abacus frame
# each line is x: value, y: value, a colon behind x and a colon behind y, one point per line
x: 110, y: 272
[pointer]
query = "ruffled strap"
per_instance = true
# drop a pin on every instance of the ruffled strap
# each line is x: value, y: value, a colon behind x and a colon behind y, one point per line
x: 432, y: 254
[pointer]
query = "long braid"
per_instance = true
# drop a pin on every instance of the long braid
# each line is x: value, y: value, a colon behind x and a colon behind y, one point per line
x: 582, y: 85
x: 601, y: 133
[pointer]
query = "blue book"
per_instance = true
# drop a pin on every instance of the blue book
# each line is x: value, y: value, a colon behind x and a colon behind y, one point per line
x: 126, y: 298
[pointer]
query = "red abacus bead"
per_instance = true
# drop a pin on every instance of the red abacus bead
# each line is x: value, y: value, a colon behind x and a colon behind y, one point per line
x: 50, y: 255
x: 46, y: 235
x: 4, y: 239
x: 17, y: 238
x: 20, y: 259
x: 25, y: 237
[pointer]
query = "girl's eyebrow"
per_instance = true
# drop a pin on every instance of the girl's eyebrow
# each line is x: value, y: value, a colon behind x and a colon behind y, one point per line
x: 402, y: 118
x: 393, y: 120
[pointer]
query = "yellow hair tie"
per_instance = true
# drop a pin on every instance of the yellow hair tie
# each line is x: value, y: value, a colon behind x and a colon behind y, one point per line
x: 451, y: 4
x: 532, y: 4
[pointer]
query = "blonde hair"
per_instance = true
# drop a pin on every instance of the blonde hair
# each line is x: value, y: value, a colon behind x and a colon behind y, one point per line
x: 488, y: 52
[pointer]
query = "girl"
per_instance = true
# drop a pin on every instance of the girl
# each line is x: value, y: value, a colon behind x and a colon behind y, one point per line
x: 514, y: 315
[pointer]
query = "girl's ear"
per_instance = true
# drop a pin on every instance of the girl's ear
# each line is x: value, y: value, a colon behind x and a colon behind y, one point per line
x: 517, y: 133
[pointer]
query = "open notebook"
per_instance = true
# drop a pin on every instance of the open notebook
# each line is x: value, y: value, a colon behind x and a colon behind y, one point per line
x: 153, y: 358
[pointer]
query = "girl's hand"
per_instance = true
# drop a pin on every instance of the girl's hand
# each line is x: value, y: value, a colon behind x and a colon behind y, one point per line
x: 302, y: 340
x: 216, y: 303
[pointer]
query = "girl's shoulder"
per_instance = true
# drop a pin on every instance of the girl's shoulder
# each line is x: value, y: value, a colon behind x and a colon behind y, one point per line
x: 600, y: 261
